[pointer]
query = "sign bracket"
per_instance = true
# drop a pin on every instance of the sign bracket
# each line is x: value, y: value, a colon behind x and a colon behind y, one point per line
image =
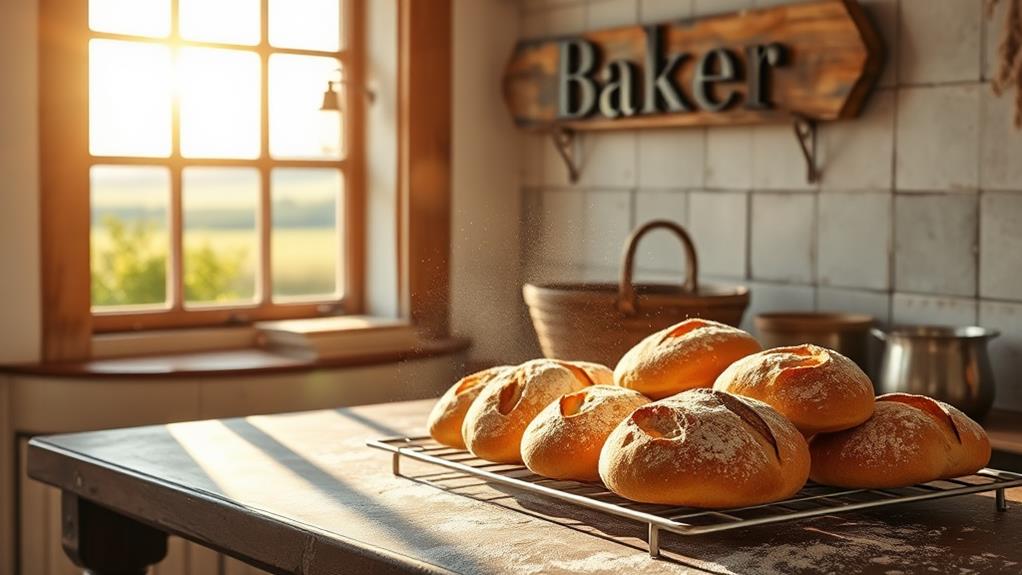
x: 564, y: 140
x: 806, y: 132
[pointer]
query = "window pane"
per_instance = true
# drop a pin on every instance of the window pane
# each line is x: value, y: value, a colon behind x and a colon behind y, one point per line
x: 136, y: 17
x: 129, y: 238
x: 227, y: 21
x: 306, y: 236
x: 298, y: 129
x: 129, y: 99
x: 221, y: 240
x: 306, y: 24
x: 219, y: 103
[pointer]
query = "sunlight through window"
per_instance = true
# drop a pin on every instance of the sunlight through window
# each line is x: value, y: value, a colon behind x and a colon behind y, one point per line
x: 129, y: 99
x: 205, y: 21
x: 241, y: 207
x: 306, y: 24
x: 296, y: 94
x: 134, y: 17
x: 219, y: 92
x: 307, y: 234
x: 129, y: 232
x: 221, y: 245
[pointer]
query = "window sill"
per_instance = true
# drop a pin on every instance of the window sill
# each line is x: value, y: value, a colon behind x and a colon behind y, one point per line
x: 248, y: 361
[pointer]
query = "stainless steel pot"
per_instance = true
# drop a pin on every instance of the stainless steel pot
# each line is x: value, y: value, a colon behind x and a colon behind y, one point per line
x: 946, y: 363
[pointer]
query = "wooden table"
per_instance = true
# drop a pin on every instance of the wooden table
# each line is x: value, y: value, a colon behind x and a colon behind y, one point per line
x: 299, y: 493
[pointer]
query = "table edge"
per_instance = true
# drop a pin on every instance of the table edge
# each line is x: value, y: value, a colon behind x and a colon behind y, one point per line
x: 46, y: 461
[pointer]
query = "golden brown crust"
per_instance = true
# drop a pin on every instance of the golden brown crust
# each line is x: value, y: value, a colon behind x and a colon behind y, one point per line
x: 909, y: 439
x: 565, y: 439
x: 449, y: 411
x: 496, y: 420
x: 597, y: 373
x: 705, y: 448
x: 818, y: 389
x: 684, y: 356
x: 970, y: 446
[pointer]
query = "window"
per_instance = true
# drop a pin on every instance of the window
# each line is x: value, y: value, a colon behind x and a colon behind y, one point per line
x: 281, y: 180
x: 220, y: 158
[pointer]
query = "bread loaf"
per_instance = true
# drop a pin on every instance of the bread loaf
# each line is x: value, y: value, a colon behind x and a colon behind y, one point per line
x: 565, y: 439
x: 909, y: 439
x: 705, y: 448
x: 496, y: 420
x: 818, y: 389
x: 449, y: 411
x: 684, y: 356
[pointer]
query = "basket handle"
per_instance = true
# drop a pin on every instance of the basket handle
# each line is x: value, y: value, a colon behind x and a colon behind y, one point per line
x: 626, y: 299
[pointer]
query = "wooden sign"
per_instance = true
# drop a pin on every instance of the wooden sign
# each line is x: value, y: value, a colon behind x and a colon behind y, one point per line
x: 813, y: 61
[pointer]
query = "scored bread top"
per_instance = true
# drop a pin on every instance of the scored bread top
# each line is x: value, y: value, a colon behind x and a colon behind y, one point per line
x: 597, y: 407
x: 705, y: 448
x: 969, y: 444
x: 909, y: 439
x: 565, y: 439
x: 495, y: 421
x: 817, y: 388
x: 686, y: 355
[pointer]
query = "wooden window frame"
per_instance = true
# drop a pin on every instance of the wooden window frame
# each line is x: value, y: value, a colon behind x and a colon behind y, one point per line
x: 68, y: 319
x: 424, y: 177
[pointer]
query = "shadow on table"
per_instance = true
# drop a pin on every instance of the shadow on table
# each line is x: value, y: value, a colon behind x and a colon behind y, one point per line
x: 607, y: 527
x: 352, y: 498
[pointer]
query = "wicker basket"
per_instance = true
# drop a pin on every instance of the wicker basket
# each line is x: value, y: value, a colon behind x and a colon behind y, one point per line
x: 600, y: 322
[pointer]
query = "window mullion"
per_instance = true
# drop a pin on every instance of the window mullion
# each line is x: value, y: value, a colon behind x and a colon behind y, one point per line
x: 265, y: 289
x: 176, y: 279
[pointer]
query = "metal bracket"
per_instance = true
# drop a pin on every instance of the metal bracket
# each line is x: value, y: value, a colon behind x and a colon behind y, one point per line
x: 564, y: 141
x: 805, y: 133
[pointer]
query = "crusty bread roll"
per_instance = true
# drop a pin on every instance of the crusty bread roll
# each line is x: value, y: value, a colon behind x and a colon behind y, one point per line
x: 565, y: 439
x: 449, y: 411
x: 686, y: 355
x: 818, y: 389
x: 909, y: 439
x: 970, y: 446
x: 496, y: 420
x: 705, y: 448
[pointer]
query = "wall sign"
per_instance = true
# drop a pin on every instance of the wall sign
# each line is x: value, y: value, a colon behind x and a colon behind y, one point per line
x: 813, y: 61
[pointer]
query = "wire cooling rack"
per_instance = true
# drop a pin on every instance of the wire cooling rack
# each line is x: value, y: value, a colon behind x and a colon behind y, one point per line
x: 813, y: 500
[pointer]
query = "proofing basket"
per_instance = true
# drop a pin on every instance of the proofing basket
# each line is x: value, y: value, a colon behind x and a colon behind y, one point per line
x: 600, y: 322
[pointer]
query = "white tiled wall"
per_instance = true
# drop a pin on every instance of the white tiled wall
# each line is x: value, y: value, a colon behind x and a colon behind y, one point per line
x: 917, y: 218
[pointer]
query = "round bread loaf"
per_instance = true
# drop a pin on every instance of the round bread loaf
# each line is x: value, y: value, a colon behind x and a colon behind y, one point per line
x: 449, y: 411
x: 684, y: 356
x: 909, y: 439
x: 705, y: 448
x: 818, y: 389
x: 565, y: 439
x: 496, y: 420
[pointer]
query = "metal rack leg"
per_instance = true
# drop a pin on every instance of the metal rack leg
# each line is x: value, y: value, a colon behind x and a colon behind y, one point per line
x: 1002, y: 503
x: 395, y: 464
x: 654, y: 541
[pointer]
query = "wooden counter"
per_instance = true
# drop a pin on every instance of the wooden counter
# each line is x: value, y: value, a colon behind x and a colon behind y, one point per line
x: 300, y: 493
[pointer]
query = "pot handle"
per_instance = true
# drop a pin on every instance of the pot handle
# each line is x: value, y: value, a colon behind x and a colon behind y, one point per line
x: 626, y: 299
x: 878, y: 333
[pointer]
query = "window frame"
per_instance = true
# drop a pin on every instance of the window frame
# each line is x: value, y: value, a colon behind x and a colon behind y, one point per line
x: 65, y: 162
